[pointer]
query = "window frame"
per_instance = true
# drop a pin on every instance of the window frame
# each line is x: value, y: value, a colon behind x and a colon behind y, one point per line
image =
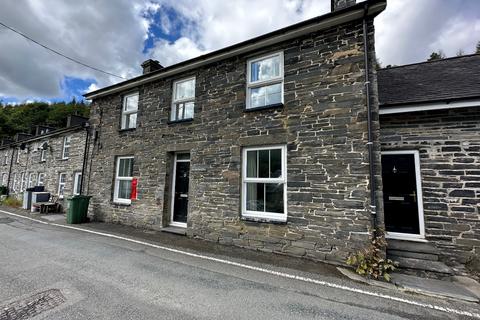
x: 264, y: 83
x: 42, y: 175
x: 173, y: 108
x: 14, y: 182
x: 117, y: 180
x: 66, y: 146
x: 60, y: 184
x: 4, y: 179
x: 76, y: 176
x: 43, y: 152
x: 22, y: 181
x: 5, y: 162
x: 30, y: 183
x: 126, y: 114
x: 270, y: 216
x: 18, y: 156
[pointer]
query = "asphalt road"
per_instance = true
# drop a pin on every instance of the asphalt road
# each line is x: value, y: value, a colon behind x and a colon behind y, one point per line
x: 69, y: 274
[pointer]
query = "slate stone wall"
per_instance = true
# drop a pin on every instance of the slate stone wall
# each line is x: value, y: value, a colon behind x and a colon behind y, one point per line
x: 322, y: 123
x: 30, y: 162
x: 449, y: 146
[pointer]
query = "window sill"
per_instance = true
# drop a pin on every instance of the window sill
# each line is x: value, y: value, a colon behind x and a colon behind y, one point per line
x: 271, y: 106
x: 127, y: 130
x: 279, y: 220
x: 122, y: 204
x: 179, y: 121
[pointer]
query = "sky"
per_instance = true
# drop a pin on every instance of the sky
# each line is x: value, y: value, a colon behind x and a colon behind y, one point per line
x: 117, y: 36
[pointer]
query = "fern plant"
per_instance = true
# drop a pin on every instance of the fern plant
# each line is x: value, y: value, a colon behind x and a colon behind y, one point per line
x: 370, y: 261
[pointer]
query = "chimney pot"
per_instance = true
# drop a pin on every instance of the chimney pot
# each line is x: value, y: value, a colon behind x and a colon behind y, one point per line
x: 150, y: 66
x: 342, y: 4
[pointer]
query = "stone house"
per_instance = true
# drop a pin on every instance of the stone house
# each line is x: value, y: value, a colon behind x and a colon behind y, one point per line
x: 50, y: 157
x: 430, y: 140
x: 270, y: 144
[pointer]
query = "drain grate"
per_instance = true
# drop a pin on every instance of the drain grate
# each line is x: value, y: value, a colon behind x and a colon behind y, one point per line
x: 6, y: 220
x: 32, y: 306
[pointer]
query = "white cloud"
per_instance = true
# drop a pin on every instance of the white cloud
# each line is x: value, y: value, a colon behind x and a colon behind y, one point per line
x: 111, y: 37
x: 408, y: 31
x: 92, y: 87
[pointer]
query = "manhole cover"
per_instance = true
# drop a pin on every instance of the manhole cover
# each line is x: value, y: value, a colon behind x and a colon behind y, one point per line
x: 32, y: 306
x: 5, y: 221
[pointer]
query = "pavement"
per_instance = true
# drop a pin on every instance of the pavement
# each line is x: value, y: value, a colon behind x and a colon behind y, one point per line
x: 49, y: 270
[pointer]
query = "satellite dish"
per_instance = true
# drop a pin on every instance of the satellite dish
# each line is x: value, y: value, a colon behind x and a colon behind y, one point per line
x: 45, y: 146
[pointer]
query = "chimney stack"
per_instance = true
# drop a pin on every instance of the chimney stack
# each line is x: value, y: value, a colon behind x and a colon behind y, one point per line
x: 151, y: 65
x: 341, y: 4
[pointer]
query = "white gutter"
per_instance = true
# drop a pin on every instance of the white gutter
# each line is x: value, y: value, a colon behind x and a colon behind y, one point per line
x: 430, y: 106
x: 347, y: 17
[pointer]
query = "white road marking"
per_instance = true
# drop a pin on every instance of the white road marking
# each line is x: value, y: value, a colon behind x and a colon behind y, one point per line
x: 264, y: 270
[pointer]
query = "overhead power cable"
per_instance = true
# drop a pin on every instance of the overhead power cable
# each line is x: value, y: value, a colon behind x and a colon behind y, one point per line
x: 59, y: 53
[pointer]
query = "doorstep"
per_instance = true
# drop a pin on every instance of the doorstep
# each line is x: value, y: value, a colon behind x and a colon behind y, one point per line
x: 175, y: 230
x: 457, y: 288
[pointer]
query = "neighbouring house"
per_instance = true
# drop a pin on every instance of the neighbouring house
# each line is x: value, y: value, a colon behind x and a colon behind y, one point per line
x: 430, y: 140
x: 270, y: 144
x: 48, y: 157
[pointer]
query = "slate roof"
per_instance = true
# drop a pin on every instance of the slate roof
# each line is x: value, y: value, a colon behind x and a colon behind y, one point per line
x: 441, y: 80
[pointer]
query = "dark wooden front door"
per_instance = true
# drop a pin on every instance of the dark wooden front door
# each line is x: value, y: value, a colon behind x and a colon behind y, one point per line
x: 180, y: 197
x: 400, y: 196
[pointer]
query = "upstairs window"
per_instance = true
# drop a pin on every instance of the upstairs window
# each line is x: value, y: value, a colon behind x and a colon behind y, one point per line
x: 66, y: 147
x: 43, y: 152
x: 18, y: 155
x: 123, y: 180
x: 183, y: 103
x: 264, y: 177
x: 5, y: 160
x: 129, y: 111
x: 265, y: 81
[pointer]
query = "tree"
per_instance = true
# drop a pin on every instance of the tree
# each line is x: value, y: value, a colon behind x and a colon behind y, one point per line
x: 22, y: 117
x: 460, y: 52
x: 477, y: 49
x: 436, y: 56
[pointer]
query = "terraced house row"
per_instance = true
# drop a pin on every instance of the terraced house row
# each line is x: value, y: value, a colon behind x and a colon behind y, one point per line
x: 48, y: 157
x: 293, y: 143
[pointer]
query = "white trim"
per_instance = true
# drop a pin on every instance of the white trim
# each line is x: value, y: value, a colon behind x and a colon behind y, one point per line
x: 264, y: 83
x: 76, y: 176
x: 173, y: 108
x: 421, y: 218
x: 172, y: 196
x: 116, y: 199
x: 290, y: 34
x: 41, y: 175
x: 67, y: 142
x: 126, y: 113
x: 60, y: 184
x: 430, y: 106
x: 271, y: 216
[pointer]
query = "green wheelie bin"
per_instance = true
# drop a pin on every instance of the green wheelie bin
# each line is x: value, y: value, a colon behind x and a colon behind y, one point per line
x: 78, y: 208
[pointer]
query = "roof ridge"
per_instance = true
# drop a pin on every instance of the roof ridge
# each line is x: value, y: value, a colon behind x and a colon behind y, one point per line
x: 429, y: 62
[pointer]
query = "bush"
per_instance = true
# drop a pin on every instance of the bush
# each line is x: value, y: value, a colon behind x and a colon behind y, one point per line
x: 370, y: 262
x: 12, y: 202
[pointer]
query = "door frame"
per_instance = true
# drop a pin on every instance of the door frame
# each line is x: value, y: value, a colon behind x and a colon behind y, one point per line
x: 172, y: 196
x: 421, y: 219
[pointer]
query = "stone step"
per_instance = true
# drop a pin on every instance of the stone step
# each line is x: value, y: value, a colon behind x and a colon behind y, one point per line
x: 423, y: 265
x: 412, y: 246
x: 415, y: 255
x: 175, y: 230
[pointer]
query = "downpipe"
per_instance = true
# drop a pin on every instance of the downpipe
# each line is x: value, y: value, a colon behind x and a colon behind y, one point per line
x: 371, y: 160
